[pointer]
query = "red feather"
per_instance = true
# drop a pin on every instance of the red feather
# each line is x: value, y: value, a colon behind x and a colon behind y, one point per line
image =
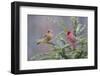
x: 71, y: 39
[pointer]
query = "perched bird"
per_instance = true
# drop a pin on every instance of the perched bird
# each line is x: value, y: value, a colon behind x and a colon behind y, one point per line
x: 46, y: 38
x: 71, y: 39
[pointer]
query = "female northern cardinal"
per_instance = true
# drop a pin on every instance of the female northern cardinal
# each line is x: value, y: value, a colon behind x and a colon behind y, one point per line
x: 46, y: 38
x: 71, y: 39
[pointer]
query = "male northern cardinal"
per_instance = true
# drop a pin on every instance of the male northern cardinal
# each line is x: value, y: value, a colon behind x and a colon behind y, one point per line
x: 71, y: 39
x: 46, y: 38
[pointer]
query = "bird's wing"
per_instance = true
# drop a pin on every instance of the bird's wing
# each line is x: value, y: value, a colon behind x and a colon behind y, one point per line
x: 72, y: 38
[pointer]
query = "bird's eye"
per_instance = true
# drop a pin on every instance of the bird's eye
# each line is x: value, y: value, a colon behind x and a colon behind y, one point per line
x: 68, y: 33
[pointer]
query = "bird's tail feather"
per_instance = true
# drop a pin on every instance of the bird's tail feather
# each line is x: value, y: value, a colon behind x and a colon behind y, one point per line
x: 38, y: 43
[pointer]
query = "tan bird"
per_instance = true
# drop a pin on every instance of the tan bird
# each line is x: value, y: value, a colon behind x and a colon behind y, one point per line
x: 46, y: 38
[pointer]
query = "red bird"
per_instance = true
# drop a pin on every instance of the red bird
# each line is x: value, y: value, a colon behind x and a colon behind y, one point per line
x: 71, y: 39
